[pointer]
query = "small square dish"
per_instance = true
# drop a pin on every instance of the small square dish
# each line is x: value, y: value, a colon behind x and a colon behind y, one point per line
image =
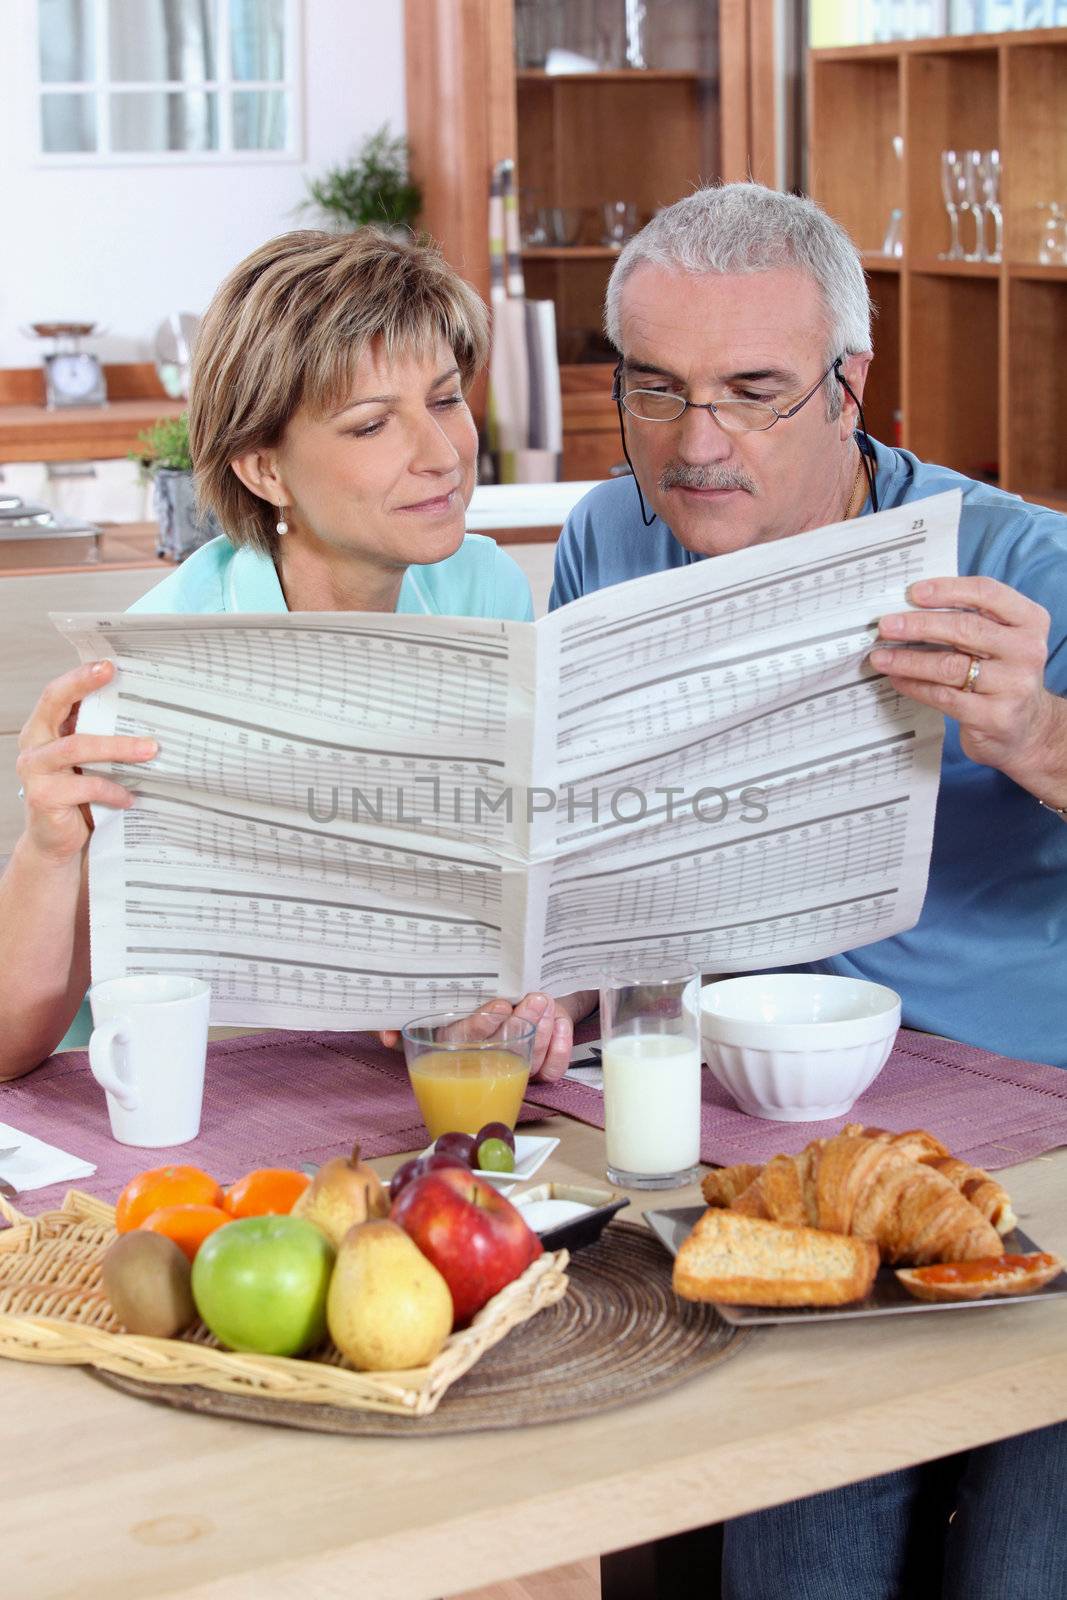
x: 887, y: 1297
x: 568, y: 1216
x: 530, y: 1154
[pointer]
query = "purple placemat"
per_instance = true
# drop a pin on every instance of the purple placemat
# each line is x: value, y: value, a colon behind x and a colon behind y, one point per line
x: 988, y: 1109
x: 270, y: 1100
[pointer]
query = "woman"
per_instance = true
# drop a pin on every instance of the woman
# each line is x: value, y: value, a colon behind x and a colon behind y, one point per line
x: 332, y: 439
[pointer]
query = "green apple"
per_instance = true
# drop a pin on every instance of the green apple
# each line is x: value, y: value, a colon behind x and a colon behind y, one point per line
x: 262, y: 1285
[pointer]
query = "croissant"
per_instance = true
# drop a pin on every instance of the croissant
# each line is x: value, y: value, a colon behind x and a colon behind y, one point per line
x: 916, y: 1143
x: 991, y: 1198
x: 863, y: 1186
x: 722, y: 1185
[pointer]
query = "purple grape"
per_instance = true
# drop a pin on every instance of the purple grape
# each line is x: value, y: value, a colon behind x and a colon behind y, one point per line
x: 403, y: 1176
x: 495, y: 1130
x: 457, y: 1144
x: 442, y: 1158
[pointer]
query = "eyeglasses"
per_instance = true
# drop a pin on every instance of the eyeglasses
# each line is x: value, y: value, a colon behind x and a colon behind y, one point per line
x: 736, y: 416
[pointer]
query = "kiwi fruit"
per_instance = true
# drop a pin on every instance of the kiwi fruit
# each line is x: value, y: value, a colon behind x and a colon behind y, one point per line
x: 146, y: 1278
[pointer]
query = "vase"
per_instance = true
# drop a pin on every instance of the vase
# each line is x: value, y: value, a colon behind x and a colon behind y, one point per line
x: 181, y: 531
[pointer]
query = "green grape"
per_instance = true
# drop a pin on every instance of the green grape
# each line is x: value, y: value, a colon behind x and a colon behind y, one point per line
x: 494, y: 1156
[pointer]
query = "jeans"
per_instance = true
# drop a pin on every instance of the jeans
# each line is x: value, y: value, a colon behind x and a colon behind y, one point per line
x: 990, y: 1524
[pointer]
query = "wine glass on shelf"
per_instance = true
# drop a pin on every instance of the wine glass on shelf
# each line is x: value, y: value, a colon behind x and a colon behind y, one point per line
x: 973, y: 202
x: 989, y: 178
x: 951, y: 192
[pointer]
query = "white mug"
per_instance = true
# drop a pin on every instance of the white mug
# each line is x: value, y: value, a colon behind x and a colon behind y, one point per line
x: 148, y: 1051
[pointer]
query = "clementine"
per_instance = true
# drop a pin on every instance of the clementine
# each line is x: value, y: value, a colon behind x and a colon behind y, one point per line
x: 268, y: 1191
x: 164, y: 1186
x: 187, y: 1225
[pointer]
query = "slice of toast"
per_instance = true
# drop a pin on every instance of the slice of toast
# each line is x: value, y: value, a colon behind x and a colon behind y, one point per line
x: 974, y: 1280
x: 749, y: 1261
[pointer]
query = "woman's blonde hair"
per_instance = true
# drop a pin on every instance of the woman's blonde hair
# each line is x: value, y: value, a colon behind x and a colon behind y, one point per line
x: 286, y: 329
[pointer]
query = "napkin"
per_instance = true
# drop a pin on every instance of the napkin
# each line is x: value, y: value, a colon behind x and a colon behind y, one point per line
x: 35, y: 1164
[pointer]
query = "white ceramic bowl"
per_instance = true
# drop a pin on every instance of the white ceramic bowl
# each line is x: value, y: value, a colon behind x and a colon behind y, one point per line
x: 797, y: 1046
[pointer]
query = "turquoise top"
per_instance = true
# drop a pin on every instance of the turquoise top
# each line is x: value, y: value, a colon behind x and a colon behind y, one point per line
x: 480, y: 580
x: 987, y: 961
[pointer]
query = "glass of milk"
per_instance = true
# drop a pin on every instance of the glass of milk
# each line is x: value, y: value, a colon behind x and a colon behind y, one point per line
x: 650, y: 1053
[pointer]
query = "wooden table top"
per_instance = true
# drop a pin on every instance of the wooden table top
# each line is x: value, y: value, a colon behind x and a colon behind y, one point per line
x: 105, y: 1495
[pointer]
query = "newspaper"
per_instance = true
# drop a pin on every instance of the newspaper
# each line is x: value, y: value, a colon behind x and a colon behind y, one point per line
x: 357, y: 818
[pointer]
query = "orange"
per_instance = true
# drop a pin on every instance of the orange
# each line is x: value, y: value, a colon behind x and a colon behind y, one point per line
x: 164, y: 1186
x: 188, y: 1226
x: 269, y: 1191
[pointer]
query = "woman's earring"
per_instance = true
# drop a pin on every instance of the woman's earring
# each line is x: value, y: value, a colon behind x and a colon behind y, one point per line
x: 281, y: 526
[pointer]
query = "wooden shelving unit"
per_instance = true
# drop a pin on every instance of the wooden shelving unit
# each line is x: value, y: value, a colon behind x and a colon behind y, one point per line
x: 578, y: 140
x: 970, y: 365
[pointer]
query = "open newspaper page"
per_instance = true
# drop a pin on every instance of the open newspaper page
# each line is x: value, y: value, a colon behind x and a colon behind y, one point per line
x: 727, y: 784
x: 357, y: 819
x: 321, y: 837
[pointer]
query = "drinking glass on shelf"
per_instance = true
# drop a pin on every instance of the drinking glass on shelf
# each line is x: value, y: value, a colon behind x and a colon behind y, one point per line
x: 650, y: 1053
x: 620, y: 222
x: 565, y: 224
x: 893, y: 242
x: 1052, y: 239
x: 989, y: 180
x: 533, y: 220
x: 953, y: 190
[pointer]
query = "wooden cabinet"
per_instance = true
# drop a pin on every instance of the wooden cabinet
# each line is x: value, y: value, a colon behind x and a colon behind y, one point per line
x: 970, y: 365
x: 646, y: 137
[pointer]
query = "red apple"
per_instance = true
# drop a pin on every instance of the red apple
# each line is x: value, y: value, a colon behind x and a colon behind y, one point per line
x: 475, y: 1237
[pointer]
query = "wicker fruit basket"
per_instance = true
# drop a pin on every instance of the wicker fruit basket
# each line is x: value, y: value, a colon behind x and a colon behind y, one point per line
x: 52, y: 1309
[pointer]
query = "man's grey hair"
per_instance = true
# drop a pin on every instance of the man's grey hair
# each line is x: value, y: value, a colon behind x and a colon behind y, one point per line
x: 747, y: 228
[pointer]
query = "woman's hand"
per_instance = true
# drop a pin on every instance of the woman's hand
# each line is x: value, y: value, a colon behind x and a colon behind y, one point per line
x: 56, y: 792
x: 553, y: 1019
x: 991, y: 679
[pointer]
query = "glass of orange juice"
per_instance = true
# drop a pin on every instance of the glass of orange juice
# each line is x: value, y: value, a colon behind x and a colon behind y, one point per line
x: 468, y: 1069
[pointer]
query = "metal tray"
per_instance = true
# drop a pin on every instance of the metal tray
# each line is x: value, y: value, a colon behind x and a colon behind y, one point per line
x: 887, y: 1296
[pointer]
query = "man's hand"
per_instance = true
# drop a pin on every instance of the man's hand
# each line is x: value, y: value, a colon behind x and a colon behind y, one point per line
x: 553, y: 1019
x: 1007, y: 718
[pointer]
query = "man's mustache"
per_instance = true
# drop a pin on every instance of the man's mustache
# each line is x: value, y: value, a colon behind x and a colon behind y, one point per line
x: 678, y: 476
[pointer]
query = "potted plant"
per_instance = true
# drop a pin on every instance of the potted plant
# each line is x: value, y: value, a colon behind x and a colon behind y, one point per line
x: 375, y: 187
x: 165, y: 461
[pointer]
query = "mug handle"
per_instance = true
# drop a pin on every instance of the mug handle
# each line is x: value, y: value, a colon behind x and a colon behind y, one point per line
x: 104, y: 1061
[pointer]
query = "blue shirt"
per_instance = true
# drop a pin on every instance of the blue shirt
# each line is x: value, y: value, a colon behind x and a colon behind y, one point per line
x: 987, y: 961
x: 479, y: 580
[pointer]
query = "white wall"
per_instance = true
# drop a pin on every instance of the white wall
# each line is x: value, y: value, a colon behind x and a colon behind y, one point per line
x: 123, y: 245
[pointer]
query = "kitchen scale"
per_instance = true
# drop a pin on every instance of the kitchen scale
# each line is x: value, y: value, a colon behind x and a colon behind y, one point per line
x: 72, y: 376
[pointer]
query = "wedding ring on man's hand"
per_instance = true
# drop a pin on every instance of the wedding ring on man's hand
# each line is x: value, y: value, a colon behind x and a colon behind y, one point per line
x: 970, y: 682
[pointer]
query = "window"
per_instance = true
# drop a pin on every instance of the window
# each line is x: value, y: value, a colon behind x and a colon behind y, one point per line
x: 835, y: 22
x: 158, y: 79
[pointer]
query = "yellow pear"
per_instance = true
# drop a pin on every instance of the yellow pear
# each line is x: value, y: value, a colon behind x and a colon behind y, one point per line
x: 388, y: 1307
x: 343, y: 1192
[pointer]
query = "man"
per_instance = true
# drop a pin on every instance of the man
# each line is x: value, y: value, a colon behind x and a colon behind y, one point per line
x: 743, y: 323
x: 757, y: 299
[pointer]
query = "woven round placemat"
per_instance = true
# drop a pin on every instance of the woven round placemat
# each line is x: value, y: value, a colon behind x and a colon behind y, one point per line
x: 619, y: 1335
